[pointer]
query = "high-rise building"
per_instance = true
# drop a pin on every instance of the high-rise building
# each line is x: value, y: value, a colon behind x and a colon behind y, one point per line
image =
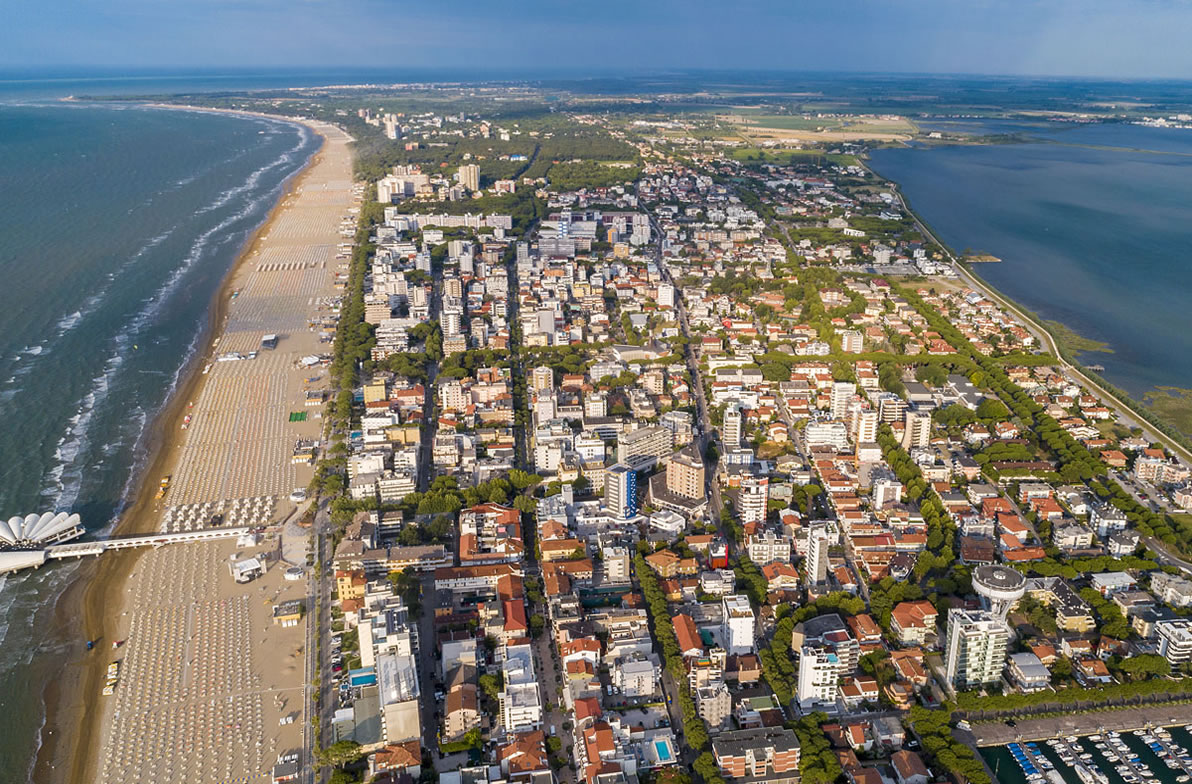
x: 596, y: 405
x: 851, y: 341
x: 976, y: 648
x: 917, y: 434
x: 736, y: 626
x: 685, y: 473
x: 819, y: 678
x: 469, y: 176
x: 620, y: 491
x: 452, y: 396
x: 886, y: 491
x: 679, y: 423
x: 842, y: 395
x: 1175, y: 640
x: 734, y: 427
x: 542, y: 378
x: 890, y: 407
x: 615, y: 560
x: 830, y: 632
x: 451, y: 321
x: 818, y: 541
x: 653, y: 441
x: 666, y: 295
x: 864, y: 430
x: 752, y: 498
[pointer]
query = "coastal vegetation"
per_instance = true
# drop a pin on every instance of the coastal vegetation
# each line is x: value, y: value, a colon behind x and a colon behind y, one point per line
x: 1072, y: 342
x: 591, y: 174
x: 1172, y: 404
x: 353, y: 343
x: 522, y: 206
x: 1170, y: 414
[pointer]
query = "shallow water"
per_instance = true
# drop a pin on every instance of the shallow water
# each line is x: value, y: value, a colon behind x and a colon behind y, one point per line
x: 117, y: 225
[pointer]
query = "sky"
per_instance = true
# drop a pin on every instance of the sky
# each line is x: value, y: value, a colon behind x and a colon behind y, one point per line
x: 1107, y: 38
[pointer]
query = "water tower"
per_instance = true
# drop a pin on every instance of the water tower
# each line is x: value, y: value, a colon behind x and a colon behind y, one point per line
x: 999, y: 587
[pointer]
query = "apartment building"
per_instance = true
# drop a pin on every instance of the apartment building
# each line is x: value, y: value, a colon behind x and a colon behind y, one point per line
x: 976, y: 648
x: 768, y: 753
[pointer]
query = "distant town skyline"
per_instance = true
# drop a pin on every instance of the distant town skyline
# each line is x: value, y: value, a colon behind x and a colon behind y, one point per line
x: 1129, y: 39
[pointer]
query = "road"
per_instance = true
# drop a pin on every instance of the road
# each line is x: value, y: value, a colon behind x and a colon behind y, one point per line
x: 712, y: 486
x: 320, y: 704
x: 1143, y: 495
x: 705, y: 424
x: 428, y: 660
x: 517, y: 367
x: 430, y: 417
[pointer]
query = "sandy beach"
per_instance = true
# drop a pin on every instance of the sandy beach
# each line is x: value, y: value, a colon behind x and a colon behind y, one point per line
x: 207, y: 678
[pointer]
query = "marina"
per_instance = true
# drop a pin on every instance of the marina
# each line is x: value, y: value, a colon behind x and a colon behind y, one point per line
x: 1154, y: 755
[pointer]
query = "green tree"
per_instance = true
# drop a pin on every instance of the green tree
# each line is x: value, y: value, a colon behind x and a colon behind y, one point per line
x: 818, y: 764
x: 1145, y: 665
x: 490, y: 684
x: 705, y: 765
x: 340, y: 753
x: 992, y: 408
x: 933, y: 375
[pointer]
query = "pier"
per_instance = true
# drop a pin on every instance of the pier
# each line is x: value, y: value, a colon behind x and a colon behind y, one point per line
x: 1143, y: 718
x: 16, y: 560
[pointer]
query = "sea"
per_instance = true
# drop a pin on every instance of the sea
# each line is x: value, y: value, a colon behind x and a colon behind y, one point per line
x: 1007, y: 771
x: 1092, y: 223
x: 118, y: 223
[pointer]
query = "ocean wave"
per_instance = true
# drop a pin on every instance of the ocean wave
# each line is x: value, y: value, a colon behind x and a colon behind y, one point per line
x: 63, y: 481
x: 92, y: 303
x: 25, y: 358
x: 253, y: 179
x: 70, y: 321
x: 7, y: 600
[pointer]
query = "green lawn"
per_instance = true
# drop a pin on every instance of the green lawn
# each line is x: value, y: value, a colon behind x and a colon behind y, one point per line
x: 789, y: 156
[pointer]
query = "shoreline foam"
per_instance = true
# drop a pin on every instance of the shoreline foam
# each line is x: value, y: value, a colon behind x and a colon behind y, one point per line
x: 68, y: 742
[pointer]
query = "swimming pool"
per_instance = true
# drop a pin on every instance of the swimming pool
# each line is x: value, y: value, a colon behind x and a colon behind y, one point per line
x: 664, y: 752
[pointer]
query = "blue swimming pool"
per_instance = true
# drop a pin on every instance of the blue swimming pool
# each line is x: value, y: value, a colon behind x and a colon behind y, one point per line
x: 664, y: 752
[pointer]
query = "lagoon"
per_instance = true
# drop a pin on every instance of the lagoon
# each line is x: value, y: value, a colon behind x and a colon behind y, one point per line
x: 1093, y: 225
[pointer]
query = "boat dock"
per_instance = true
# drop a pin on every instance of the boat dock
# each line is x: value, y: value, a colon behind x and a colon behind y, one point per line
x: 16, y: 560
x: 1154, y: 755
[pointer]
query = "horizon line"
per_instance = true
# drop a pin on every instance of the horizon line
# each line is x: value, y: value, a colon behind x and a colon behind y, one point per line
x: 511, y: 73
